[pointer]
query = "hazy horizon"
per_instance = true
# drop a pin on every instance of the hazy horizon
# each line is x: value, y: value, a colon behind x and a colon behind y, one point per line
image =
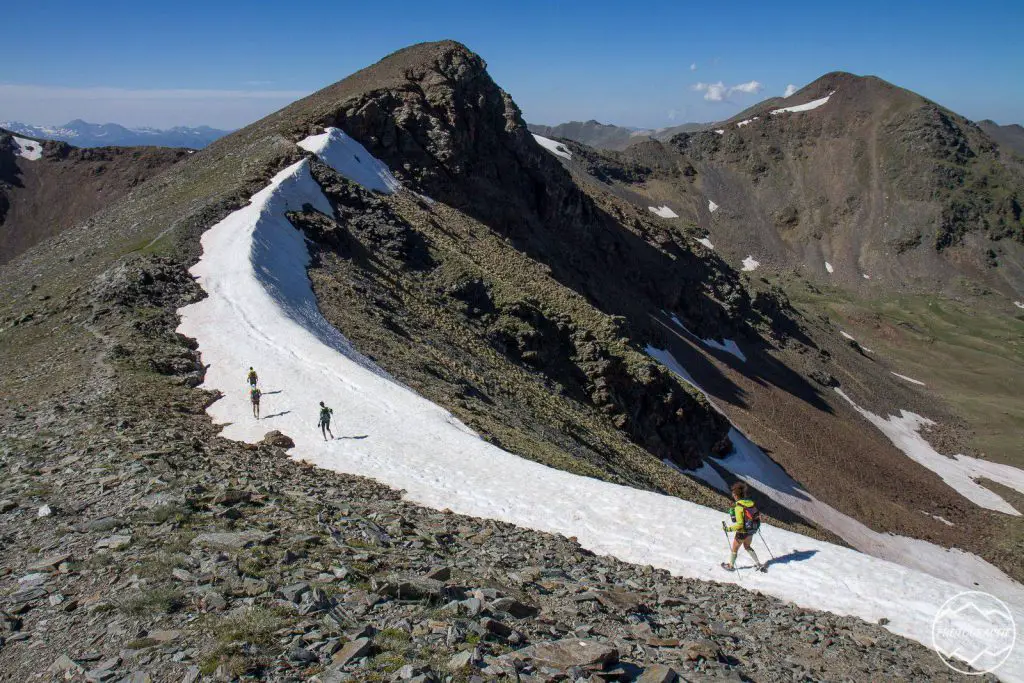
x: 659, y: 65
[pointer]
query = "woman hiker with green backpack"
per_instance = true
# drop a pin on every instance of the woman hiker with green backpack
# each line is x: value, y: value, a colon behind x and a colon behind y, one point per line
x: 746, y: 521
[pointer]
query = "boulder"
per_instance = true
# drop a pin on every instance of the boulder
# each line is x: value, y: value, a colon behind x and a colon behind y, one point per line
x: 658, y: 673
x: 568, y: 652
x: 232, y: 540
x: 278, y: 440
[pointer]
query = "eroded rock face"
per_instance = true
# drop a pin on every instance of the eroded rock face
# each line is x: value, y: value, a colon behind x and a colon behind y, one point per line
x: 450, y: 132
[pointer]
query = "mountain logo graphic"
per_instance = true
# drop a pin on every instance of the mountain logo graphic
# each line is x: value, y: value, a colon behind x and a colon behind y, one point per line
x: 973, y: 633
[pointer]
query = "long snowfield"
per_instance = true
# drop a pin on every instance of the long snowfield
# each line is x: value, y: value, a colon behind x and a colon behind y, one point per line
x: 260, y: 311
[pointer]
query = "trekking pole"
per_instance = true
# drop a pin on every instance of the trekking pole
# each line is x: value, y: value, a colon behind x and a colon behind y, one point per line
x: 765, y: 544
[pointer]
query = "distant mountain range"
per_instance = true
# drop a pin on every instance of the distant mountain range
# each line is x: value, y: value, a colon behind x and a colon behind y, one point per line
x: 604, y: 136
x: 1010, y: 136
x: 83, y: 134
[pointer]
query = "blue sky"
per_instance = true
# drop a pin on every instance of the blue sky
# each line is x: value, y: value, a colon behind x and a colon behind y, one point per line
x: 228, y: 63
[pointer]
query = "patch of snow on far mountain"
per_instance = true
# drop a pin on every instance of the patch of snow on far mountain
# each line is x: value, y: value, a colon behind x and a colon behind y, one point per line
x: 720, y: 131
x: 865, y: 276
x: 959, y: 471
x: 854, y: 340
x: 28, y: 149
x: 706, y: 242
x: 556, y: 148
x: 938, y: 518
x: 350, y: 159
x: 750, y: 263
x: 1019, y: 304
x: 747, y: 122
x: 663, y: 211
x: 712, y: 207
x: 814, y: 104
x: 828, y: 267
x: 909, y: 379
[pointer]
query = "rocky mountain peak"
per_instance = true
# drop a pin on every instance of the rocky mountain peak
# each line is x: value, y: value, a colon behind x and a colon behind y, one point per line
x: 433, y: 113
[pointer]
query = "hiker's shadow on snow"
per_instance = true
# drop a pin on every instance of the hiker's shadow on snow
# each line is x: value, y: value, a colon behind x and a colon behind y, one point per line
x: 271, y: 393
x: 283, y: 412
x: 795, y: 556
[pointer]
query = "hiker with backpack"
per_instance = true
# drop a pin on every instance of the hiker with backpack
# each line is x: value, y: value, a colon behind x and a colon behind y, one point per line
x: 325, y: 421
x: 254, y: 396
x: 745, y: 522
x: 252, y: 378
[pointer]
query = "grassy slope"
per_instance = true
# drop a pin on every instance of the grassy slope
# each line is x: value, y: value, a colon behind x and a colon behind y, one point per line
x: 970, y: 354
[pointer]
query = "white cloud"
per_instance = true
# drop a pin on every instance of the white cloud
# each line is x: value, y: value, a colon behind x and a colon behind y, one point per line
x: 672, y: 113
x: 718, y: 92
x: 751, y: 87
x: 790, y: 89
x: 693, y: 67
x: 713, y: 92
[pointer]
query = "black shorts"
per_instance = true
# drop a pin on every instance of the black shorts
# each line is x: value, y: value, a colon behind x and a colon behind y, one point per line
x: 742, y: 536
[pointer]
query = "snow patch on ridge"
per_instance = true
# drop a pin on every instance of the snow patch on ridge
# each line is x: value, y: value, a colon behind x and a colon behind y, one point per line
x: 28, y: 149
x: 712, y: 207
x: 260, y: 305
x: 1019, y: 304
x: 663, y: 211
x: 747, y: 122
x: 556, y: 148
x: 828, y: 267
x: 909, y: 379
x: 349, y: 158
x: 720, y: 131
x: 706, y: 242
x: 848, y: 336
x: 750, y: 263
x: 960, y: 472
x: 813, y: 104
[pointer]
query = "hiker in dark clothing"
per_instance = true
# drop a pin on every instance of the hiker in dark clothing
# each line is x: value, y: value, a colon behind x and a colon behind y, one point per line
x: 254, y: 396
x: 252, y: 378
x: 745, y: 520
x: 325, y: 421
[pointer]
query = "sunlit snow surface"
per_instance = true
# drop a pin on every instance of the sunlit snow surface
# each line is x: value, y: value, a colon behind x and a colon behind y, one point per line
x: 28, y: 149
x: 261, y: 311
x: 959, y: 471
x: 350, y: 159
x: 814, y: 104
x: 556, y: 148
x: 663, y: 211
